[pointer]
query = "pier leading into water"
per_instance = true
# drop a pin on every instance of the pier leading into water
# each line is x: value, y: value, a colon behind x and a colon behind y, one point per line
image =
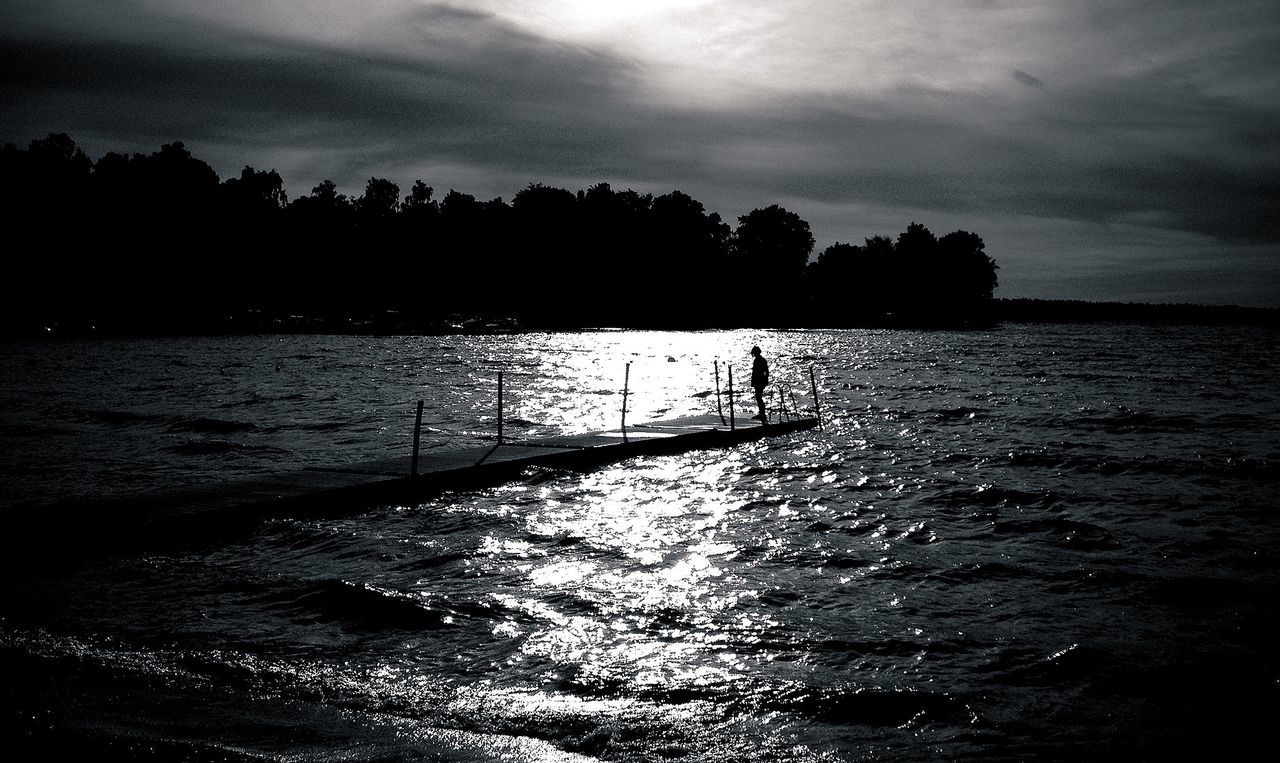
x: 395, y: 479
x: 344, y: 489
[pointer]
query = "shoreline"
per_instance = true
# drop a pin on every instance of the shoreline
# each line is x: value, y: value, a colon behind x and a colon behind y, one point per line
x: 396, y: 323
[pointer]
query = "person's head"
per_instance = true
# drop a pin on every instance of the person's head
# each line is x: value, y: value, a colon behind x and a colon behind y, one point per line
x: 755, y: 350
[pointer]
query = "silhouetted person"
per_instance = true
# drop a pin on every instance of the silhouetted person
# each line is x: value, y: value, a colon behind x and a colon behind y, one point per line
x: 759, y: 380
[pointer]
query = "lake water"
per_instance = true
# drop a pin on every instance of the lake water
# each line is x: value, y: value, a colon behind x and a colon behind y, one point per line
x: 1030, y: 543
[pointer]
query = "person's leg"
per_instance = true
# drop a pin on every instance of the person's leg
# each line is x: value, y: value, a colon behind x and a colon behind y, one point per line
x: 760, y: 404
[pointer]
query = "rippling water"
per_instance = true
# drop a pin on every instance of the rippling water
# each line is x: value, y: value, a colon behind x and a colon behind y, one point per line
x: 1049, y: 542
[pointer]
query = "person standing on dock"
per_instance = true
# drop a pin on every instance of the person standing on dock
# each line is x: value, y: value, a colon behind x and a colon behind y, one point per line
x: 759, y: 380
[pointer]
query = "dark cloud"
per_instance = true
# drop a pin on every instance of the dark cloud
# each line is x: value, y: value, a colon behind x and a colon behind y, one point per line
x: 1027, y: 79
x: 1187, y: 143
x: 520, y: 104
x: 1082, y: 160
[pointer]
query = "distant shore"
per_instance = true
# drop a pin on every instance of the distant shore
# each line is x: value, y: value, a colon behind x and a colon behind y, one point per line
x: 1078, y: 311
x: 394, y: 322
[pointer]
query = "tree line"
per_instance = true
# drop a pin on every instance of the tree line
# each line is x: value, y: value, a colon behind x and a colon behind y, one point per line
x: 158, y: 242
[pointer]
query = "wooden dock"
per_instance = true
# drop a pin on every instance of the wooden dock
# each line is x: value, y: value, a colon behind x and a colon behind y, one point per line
x: 198, y: 514
x: 391, y: 480
x: 450, y: 469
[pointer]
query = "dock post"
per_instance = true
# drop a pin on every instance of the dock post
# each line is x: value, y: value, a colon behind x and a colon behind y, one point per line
x: 817, y: 413
x: 626, y: 383
x: 417, y: 433
x: 499, y: 407
x: 719, y: 408
x: 731, y: 421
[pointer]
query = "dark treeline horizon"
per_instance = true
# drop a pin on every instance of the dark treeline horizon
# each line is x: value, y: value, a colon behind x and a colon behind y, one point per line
x: 160, y: 243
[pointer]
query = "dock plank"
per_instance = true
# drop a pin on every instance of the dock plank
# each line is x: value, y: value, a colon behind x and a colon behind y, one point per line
x: 200, y: 513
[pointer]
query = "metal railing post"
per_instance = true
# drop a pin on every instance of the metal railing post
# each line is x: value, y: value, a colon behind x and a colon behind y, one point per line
x: 417, y: 433
x: 719, y: 408
x: 732, y: 424
x: 626, y: 384
x: 817, y: 411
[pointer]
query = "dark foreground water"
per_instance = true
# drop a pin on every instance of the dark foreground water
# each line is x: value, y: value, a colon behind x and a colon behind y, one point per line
x: 1034, y: 543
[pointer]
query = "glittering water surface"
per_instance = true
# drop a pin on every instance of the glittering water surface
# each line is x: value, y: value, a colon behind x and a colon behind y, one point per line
x: 1031, y: 543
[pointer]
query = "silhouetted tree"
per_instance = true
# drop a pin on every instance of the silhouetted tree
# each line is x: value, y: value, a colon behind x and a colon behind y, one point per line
x: 917, y: 279
x: 965, y: 265
x: 418, y: 203
x: 379, y: 203
x: 854, y: 285
x: 314, y: 272
x: 612, y: 250
x: 178, y: 184
x: 774, y: 240
x: 690, y: 249
x: 164, y: 207
x: 52, y: 171
x: 325, y: 207
x: 148, y: 240
x: 45, y: 186
x: 772, y: 247
x: 947, y: 280
x: 45, y: 206
x: 551, y: 254
x: 839, y: 284
x: 254, y: 193
x: 249, y: 222
x: 916, y: 241
x: 473, y: 268
x: 415, y: 235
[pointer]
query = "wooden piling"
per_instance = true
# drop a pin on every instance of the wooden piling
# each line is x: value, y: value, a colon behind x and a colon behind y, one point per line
x: 417, y: 433
x: 817, y: 414
x: 719, y: 409
x: 731, y: 421
x: 626, y: 383
x: 499, y: 407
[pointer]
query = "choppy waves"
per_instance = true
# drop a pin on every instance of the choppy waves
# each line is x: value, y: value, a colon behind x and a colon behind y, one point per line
x: 1003, y: 546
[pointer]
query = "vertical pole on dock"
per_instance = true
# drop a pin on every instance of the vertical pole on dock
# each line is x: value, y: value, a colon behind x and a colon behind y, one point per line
x: 731, y: 421
x: 499, y: 407
x: 417, y: 433
x: 626, y: 384
x: 719, y: 408
x: 816, y: 411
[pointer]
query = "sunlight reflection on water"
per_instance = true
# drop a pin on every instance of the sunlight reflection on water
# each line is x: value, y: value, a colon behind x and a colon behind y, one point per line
x: 990, y: 526
x: 648, y: 542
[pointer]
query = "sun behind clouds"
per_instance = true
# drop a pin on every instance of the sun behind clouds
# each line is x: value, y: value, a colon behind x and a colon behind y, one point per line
x: 593, y: 15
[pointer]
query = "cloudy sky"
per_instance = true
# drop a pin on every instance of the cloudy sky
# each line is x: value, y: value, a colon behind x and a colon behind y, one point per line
x: 1104, y: 149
